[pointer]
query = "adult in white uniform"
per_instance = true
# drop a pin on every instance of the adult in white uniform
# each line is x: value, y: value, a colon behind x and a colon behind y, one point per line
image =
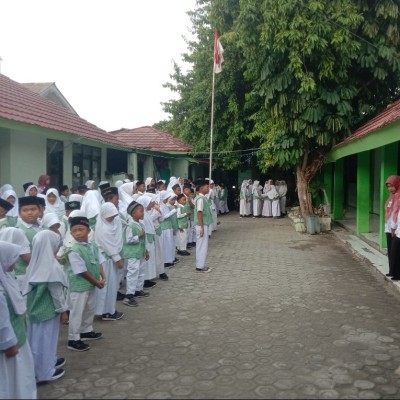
x: 256, y: 195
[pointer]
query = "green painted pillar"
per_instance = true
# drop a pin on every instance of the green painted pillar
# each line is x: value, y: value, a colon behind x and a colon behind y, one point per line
x: 328, y: 183
x: 338, y: 190
x: 389, y: 162
x: 363, y: 192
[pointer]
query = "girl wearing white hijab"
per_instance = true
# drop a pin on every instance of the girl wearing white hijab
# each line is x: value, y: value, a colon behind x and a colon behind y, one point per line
x: 108, y: 236
x: 244, y: 199
x: 157, y: 218
x: 11, y: 197
x: 4, y: 188
x: 75, y: 197
x: 267, y: 205
x: 56, y: 206
x: 119, y: 183
x: 148, y: 202
x: 256, y: 194
x: 149, y: 182
x: 91, y: 206
x: 45, y: 284
x: 167, y: 230
x: 29, y: 188
x: 125, y: 193
x: 89, y: 184
x: 17, y: 372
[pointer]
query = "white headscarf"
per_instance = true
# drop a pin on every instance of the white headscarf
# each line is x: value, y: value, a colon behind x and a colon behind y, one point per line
x: 4, y: 188
x: 89, y: 184
x: 127, y: 180
x: 58, y: 207
x: 125, y: 195
x: 145, y: 200
x: 16, y: 236
x: 49, y: 220
x: 14, y: 211
x: 147, y: 181
x: 119, y: 184
x: 108, y: 235
x: 77, y: 213
x: 9, y: 254
x: 76, y: 197
x: 91, y: 204
x: 44, y: 267
x: 29, y: 188
x: 172, y: 182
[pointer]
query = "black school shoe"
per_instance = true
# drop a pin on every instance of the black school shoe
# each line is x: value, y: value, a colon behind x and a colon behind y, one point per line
x: 142, y: 293
x: 112, y: 317
x: 168, y: 265
x: 60, y: 362
x: 120, y: 296
x: 183, y: 253
x: 77, y: 345
x: 163, y: 277
x: 149, y: 284
x: 91, y: 335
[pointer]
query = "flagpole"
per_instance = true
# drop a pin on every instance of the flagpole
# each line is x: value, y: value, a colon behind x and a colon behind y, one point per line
x: 212, y: 121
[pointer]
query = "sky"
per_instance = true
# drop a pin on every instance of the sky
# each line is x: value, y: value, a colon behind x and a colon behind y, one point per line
x: 109, y: 58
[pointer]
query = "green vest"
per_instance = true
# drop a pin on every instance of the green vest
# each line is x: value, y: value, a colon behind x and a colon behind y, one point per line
x: 207, y: 214
x: 4, y: 223
x: 21, y: 265
x: 158, y: 230
x: 174, y: 222
x: 135, y: 250
x: 166, y: 224
x: 150, y: 237
x: 18, y: 322
x: 12, y: 221
x: 40, y: 303
x: 92, y: 223
x: 89, y: 254
x: 184, y: 221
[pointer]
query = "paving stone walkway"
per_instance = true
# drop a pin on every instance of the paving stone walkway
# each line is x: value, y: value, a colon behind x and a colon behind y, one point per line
x: 282, y: 315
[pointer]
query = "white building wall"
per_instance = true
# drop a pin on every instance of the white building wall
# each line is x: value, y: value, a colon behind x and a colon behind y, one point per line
x: 148, y: 167
x: 28, y: 159
x: 133, y: 164
x: 179, y: 168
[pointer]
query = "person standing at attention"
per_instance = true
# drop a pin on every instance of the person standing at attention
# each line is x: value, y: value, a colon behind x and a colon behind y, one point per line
x: 203, y: 221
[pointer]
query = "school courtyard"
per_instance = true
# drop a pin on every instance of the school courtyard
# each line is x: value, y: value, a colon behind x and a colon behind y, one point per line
x: 282, y: 315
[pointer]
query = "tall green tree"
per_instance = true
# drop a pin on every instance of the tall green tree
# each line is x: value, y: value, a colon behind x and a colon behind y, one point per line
x: 318, y: 69
x: 191, y: 111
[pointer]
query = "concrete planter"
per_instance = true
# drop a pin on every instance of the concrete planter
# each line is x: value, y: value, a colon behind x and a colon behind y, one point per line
x: 325, y: 223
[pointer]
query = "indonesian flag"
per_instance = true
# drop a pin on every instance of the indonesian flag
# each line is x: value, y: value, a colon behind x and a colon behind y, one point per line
x: 218, y: 54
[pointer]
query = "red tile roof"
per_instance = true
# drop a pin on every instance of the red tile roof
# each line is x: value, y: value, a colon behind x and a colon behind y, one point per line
x: 391, y: 114
x: 20, y: 104
x: 151, y: 138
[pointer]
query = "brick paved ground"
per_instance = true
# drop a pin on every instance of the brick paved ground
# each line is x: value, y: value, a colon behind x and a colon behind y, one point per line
x: 282, y: 315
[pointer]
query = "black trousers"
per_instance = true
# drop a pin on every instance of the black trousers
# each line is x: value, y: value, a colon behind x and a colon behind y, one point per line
x: 394, y: 257
x: 389, y: 239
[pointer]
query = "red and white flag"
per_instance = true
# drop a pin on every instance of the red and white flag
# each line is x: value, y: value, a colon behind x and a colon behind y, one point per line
x: 218, y: 54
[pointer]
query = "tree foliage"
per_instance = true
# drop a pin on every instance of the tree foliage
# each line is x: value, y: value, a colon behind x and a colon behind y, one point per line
x: 298, y: 76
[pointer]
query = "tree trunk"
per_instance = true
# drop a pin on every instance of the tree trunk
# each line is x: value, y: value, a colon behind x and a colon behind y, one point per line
x: 305, y: 202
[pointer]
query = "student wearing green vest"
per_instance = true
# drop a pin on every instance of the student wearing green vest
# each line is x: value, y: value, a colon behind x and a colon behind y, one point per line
x: 45, y: 285
x: 188, y: 191
x: 85, y: 273
x: 17, y: 372
x: 29, y: 213
x: 203, y: 221
x: 134, y: 250
x: 183, y: 214
x: 5, y: 207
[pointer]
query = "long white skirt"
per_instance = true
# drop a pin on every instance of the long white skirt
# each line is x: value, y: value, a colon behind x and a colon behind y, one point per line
x: 276, y: 209
x: 169, y: 245
x: 106, y: 297
x: 17, y: 375
x: 151, y: 267
x: 256, y: 207
x: 159, y: 250
x: 43, y: 339
x: 267, y: 208
x: 282, y: 203
x: 244, y: 210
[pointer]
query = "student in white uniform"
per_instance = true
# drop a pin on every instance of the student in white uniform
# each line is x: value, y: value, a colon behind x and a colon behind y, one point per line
x: 256, y: 195
x: 167, y: 230
x: 244, y: 199
x: 17, y: 372
x: 54, y: 204
x: 183, y: 214
x: 108, y: 235
x: 148, y: 202
x: 212, y: 197
x: 267, y: 205
x: 157, y: 218
x: 203, y: 222
x: 44, y: 285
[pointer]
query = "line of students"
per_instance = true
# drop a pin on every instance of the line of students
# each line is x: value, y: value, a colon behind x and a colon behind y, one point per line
x: 69, y: 266
x: 258, y: 201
